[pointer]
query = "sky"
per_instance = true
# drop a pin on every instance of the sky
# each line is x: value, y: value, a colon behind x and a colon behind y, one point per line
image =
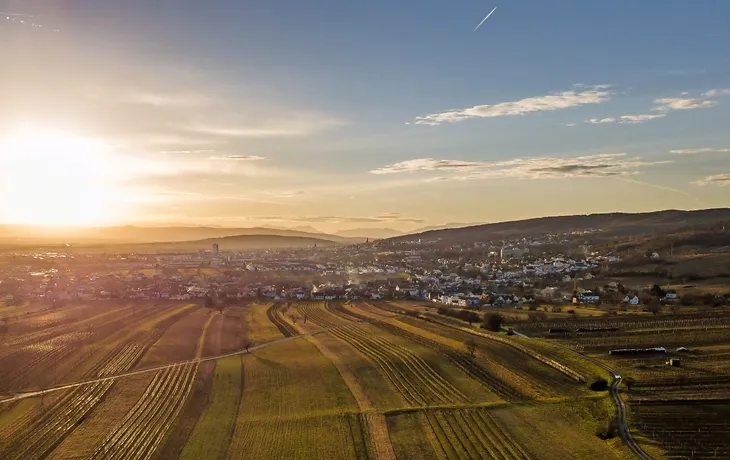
x: 343, y: 114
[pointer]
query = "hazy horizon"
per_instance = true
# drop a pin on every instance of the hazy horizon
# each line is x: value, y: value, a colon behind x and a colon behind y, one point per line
x: 345, y: 115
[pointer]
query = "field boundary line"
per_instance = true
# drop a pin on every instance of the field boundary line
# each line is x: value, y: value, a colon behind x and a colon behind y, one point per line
x: 30, y: 394
x: 377, y: 428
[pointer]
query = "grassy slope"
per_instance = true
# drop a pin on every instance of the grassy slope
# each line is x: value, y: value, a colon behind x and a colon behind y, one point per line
x: 258, y: 327
x: 378, y: 388
x: 558, y: 431
x: 179, y: 341
x: 410, y: 440
x: 293, y: 406
x: 213, y: 430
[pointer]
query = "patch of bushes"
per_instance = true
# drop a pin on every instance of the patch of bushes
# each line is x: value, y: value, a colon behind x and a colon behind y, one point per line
x: 493, y: 322
x: 464, y: 315
x: 600, y: 384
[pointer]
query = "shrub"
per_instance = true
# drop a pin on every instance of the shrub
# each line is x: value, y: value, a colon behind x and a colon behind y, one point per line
x: 600, y: 384
x: 464, y: 315
x: 493, y: 322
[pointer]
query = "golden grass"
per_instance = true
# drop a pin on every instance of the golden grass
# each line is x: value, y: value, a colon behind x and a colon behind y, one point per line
x: 258, y: 327
x: 82, y: 441
x: 558, y: 431
x: 212, y: 432
x: 9, y: 417
x: 410, y: 439
x: 379, y: 390
x: 293, y: 405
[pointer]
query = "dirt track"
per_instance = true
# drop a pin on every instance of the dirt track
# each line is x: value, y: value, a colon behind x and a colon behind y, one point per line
x: 31, y: 394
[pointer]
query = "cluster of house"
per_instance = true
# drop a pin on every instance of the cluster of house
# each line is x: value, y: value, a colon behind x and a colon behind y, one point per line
x: 505, y: 276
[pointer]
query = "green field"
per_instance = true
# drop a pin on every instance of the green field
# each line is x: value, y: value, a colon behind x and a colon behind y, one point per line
x: 369, y: 383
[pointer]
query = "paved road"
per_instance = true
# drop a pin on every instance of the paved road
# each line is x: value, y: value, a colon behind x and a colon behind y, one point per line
x: 31, y: 394
x: 621, y: 423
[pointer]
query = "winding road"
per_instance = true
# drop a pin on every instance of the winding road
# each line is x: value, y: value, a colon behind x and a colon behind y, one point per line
x: 623, y: 426
x: 31, y: 394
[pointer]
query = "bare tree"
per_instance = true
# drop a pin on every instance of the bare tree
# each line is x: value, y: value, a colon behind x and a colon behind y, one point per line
x: 247, y: 344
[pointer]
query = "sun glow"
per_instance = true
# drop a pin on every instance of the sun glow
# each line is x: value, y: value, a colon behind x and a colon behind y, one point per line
x: 51, y: 177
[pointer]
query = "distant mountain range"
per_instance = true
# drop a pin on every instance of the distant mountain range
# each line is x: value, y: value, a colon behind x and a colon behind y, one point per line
x: 610, y: 224
x: 10, y: 234
x: 21, y: 234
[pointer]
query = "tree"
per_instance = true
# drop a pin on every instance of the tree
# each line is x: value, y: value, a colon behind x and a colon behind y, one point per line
x: 209, y: 301
x: 653, y: 306
x: 471, y: 347
x: 630, y: 382
x: 657, y: 291
x: 689, y: 299
x: 247, y: 344
x: 493, y: 322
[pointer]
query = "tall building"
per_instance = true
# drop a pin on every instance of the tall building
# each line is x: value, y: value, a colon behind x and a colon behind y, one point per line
x: 215, y: 249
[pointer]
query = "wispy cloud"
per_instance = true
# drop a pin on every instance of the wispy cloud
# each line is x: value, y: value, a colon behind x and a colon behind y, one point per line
x: 601, y: 165
x: 683, y: 103
x: 717, y: 92
x: 555, y: 101
x: 168, y: 99
x: 285, y: 127
x: 700, y: 150
x: 428, y: 164
x: 237, y: 158
x: 664, y: 106
x: 284, y: 193
x: 719, y: 179
x: 186, y: 152
x: 628, y: 119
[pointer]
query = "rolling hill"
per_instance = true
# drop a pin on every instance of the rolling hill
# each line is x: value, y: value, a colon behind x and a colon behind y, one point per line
x: 610, y: 224
x: 228, y: 243
x: 16, y: 234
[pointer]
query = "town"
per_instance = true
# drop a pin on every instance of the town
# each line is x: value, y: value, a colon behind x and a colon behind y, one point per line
x: 478, y: 275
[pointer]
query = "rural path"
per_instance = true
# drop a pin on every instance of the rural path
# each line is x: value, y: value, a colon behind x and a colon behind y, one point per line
x: 31, y: 394
x: 622, y: 424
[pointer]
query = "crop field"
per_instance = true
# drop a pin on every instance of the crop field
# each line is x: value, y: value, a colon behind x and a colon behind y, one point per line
x: 686, y: 430
x: 678, y: 410
x: 339, y: 380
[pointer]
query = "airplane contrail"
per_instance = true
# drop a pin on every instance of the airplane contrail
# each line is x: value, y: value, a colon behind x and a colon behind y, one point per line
x: 483, y: 20
x: 16, y: 14
x: 661, y: 187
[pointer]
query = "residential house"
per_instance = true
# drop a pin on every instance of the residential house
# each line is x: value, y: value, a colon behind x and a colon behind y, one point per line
x: 631, y: 300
